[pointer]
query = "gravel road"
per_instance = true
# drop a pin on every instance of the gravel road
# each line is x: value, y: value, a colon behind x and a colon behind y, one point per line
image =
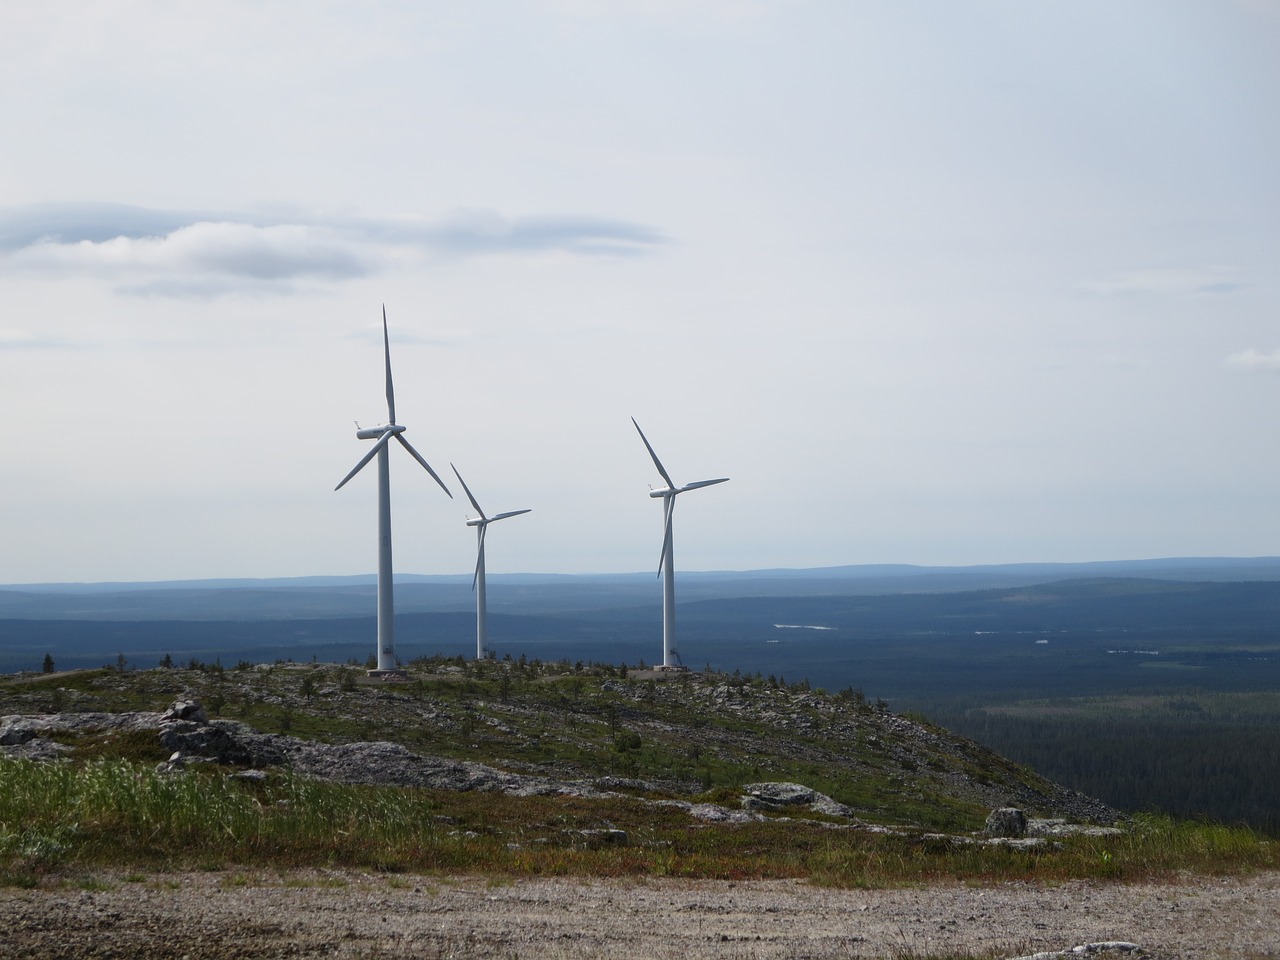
x: 224, y: 915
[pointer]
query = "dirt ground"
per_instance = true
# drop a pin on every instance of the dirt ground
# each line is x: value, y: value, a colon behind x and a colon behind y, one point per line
x: 223, y: 915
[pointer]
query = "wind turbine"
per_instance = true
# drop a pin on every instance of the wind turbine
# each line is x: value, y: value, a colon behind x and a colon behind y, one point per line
x: 481, y: 523
x: 666, y: 568
x: 383, y: 435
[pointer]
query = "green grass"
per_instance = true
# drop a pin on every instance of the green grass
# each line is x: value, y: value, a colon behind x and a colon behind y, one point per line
x: 687, y: 736
x: 56, y: 818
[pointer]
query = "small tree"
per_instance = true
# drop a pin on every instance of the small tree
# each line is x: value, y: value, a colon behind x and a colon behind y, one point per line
x: 166, y: 663
x: 47, y: 667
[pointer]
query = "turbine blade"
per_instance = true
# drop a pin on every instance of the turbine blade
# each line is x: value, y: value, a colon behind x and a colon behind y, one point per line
x: 700, y: 483
x: 426, y: 466
x: 656, y: 462
x: 467, y: 489
x: 373, y: 452
x: 669, y: 507
x: 386, y: 352
x: 510, y: 513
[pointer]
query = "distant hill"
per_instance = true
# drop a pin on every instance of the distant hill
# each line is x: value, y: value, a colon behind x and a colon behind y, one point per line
x: 1083, y: 635
x: 324, y: 597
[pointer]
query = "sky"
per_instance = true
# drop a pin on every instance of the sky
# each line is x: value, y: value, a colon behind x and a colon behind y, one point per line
x: 931, y: 282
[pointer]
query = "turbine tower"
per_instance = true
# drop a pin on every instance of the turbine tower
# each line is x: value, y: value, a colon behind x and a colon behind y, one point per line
x: 481, y: 523
x: 666, y: 568
x: 383, y: 435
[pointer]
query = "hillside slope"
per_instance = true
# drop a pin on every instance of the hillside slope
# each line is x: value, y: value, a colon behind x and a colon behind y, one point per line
x: 683, y: 734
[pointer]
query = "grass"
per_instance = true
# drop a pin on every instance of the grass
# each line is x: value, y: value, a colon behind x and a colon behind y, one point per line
x: 108, y: 806
x: 56, y: 818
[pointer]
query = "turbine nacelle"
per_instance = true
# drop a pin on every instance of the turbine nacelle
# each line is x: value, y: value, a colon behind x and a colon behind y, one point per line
x: 375, y: 433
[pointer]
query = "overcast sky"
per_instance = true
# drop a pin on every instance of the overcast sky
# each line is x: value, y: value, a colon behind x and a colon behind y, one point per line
x: 933, y: 282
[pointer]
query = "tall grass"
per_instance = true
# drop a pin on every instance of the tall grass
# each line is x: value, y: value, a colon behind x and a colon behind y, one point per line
x: 122, y: 814
x: 114, y: 810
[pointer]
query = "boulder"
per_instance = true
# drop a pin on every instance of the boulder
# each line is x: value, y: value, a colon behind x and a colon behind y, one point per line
x: 190, y: 710
x: 223, y: 742
x: 1006, y: 822
x: 605, y: 836
x: 779, y: 796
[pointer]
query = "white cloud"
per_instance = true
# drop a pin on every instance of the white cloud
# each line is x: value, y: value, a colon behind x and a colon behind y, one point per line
x: 237, y: 249
x: 1172, y: 282
x: 175, y: 254
x: 1252, y: 359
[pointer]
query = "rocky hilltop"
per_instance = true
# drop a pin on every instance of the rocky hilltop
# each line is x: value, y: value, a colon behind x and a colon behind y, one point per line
x: 724, y: 746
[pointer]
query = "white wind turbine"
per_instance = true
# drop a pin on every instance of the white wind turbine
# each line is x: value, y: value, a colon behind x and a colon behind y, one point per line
x: 666, y: 568
x: 481, y: 523
x: 383, y: 435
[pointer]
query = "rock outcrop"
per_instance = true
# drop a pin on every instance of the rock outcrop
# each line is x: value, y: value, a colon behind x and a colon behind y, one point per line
x: 1006, y: 822
x: 780, y: 796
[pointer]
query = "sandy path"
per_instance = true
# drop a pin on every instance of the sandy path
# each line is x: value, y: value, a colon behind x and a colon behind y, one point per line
x: 349, y: 915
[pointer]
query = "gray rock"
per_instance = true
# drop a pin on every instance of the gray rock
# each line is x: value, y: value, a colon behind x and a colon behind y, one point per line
x: 223, y: 742
x: 608, y: 836
x: 1006, y: 822
x: 1085, y: 949
x: 35, y: 748
x: 191, y: 710
x: 12, y: 734
x: 710, y: 812
x: 1062, y: 828
x: 20, y: 728
x: 778, y: 796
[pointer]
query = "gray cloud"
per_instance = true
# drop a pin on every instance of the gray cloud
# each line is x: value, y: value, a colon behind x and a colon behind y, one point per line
x: 470, y: 232
x: 11, y: 339
x: 186, y: 253
x: 88, y: 222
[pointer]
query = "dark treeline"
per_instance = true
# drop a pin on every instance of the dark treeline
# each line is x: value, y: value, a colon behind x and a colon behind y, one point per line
x: 1174, y: 757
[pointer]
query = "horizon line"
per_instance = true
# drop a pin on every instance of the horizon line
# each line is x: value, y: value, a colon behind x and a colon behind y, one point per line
x: 319, y: 579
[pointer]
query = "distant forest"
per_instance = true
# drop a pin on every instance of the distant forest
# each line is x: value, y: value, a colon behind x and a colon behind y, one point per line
x: 1190, y: 755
